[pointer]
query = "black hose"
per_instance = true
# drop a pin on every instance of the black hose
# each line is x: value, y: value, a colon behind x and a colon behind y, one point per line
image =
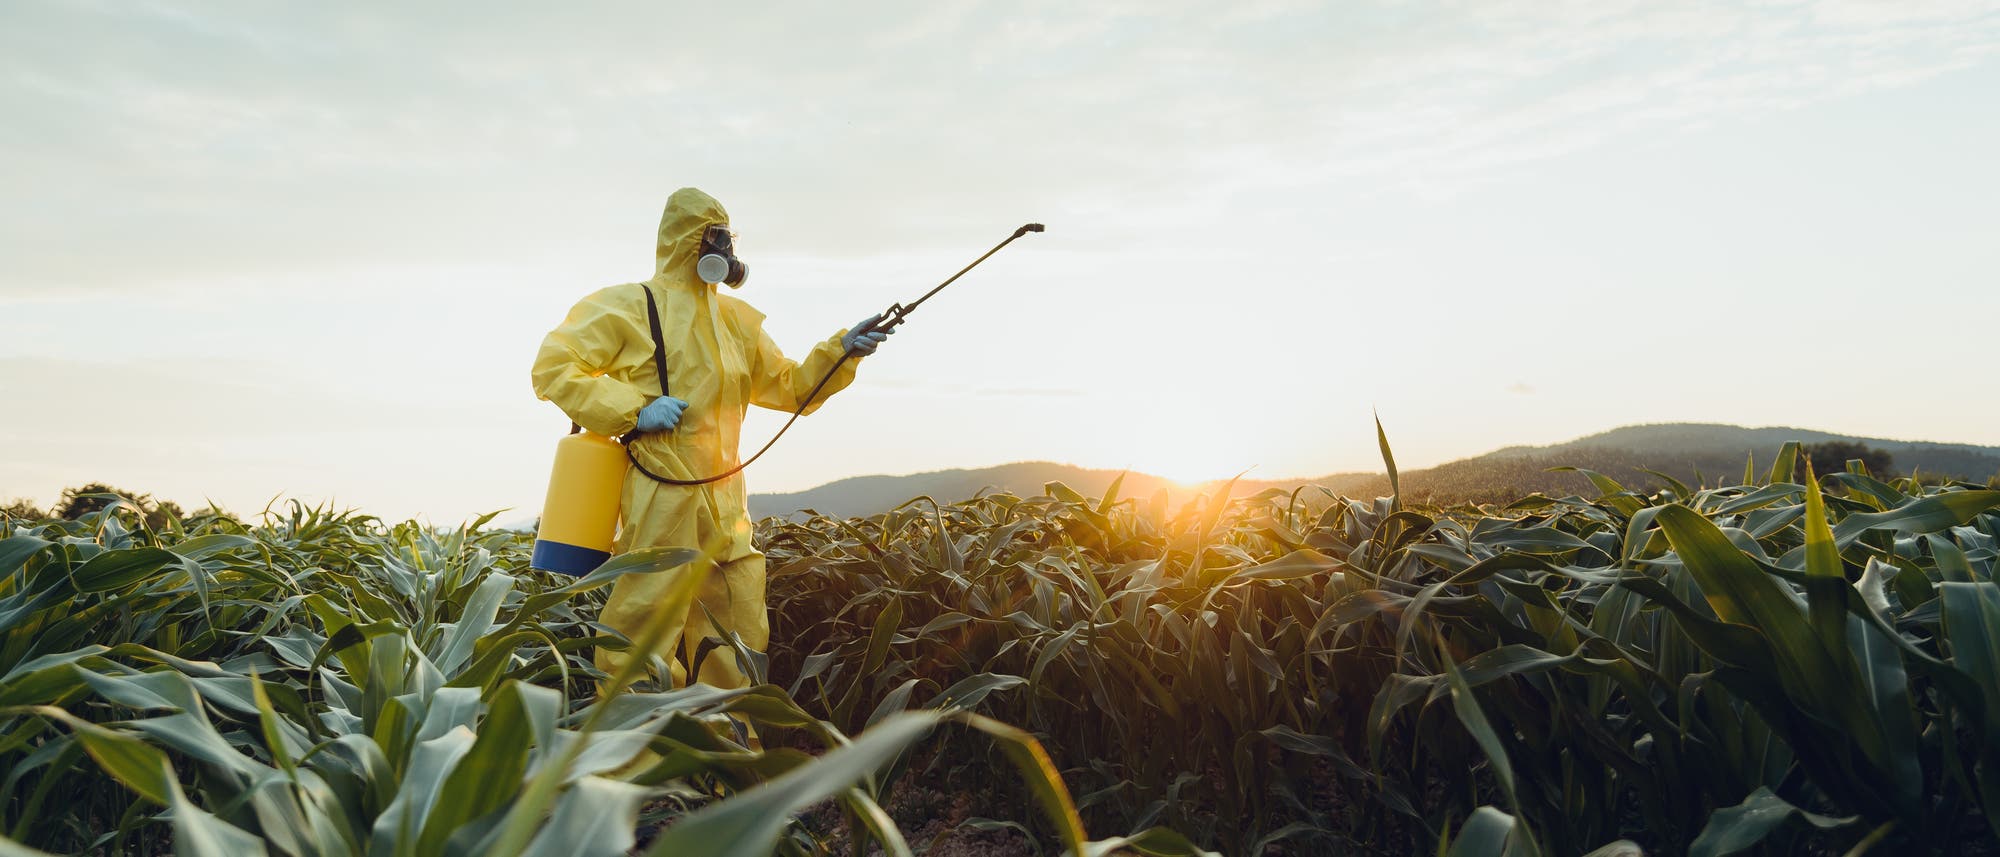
x: 760, y: 453
x: 894, y: 316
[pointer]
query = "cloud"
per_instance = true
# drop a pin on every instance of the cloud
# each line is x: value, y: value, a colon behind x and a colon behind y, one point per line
x: 172, y: 135
x: 396, y: 201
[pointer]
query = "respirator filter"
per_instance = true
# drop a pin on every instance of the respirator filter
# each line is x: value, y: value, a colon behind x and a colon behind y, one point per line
x: 717, y: 262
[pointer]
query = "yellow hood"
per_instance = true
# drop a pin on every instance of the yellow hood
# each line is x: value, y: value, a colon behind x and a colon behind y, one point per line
x: 689, y: 213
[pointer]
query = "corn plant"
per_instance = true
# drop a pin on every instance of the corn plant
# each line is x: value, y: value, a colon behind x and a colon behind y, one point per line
x: 1698, y: 669
x: 326, y: 684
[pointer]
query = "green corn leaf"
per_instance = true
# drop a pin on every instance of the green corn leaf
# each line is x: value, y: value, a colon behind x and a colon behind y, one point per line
x: 1154, y: 841
x: 1605, y: 485
x: 198, y: 833
x: 489, y: 773
x: 191, y: 734
x: 1317, y: 745
x: 1033, y: 764
x: 968, y: 692
x: 1972, y: 627
x: 431, y: 762
x: 203, y: 547
x: 1932, y: 514
x: 475, y: 622
x: 15, y: 551
x: 1736, y: 588
x: 171, y: 691
x: 138, y: 765
x: 526, y: 815
x: 892, y: 702
x: 1681, y: 491
x: 596, y: 817
x: 1822, y: 558
x: 1297, y: 564
x: 749, y: 824
x: 1389, y: 461
x: 1951, y: 562
x: 1535, y: 540
x: 1732, y: 830
x: 1488, y: 832
x: 121, y: 568
x: 1782, y: 467
x: 269, y: 725
x: 1474, y: 719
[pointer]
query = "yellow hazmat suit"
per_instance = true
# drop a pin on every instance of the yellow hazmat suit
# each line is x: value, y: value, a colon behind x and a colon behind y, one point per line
x: 598, y: 367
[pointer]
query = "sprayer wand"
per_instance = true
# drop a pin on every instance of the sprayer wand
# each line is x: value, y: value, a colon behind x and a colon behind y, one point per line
x: 896, y: 312
x: 891, y: 317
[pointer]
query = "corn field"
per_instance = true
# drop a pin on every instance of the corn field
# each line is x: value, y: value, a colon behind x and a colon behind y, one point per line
x: 1792, y: 664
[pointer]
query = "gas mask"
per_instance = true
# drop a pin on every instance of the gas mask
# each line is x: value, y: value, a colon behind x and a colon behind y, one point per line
x: 717, y: 262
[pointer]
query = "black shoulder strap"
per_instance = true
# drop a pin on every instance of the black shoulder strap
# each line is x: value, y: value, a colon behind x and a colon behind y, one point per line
x: 659, y: 346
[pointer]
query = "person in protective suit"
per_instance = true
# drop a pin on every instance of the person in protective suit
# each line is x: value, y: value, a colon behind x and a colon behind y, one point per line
x: 598, y: 367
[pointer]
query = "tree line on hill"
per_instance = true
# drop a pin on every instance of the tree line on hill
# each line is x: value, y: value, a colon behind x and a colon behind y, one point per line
x: 1503, y: 479
x: 82, y: 500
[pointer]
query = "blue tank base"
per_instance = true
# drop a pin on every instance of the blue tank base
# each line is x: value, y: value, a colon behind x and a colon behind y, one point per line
x: 566, y: 559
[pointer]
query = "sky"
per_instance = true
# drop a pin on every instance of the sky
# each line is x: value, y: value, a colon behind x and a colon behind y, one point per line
x: 257, y: 251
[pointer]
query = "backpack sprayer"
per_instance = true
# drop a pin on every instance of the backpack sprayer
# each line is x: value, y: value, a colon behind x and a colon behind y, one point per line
x: 580, y: 513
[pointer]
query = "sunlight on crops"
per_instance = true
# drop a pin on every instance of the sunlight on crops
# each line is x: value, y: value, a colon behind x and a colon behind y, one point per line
x: 1793, y: 663
x: 1193, y: 464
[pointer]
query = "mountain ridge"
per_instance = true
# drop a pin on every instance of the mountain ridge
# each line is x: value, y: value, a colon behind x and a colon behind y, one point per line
x: 1690, y: 452
x: 1666, y: 436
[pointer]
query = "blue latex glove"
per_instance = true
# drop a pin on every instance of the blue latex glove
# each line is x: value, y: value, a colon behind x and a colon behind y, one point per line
x: 662, y: 415
x: 860, y: 340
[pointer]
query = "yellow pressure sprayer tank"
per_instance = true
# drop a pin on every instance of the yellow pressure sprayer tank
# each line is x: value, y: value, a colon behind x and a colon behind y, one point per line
x: 580, y: 515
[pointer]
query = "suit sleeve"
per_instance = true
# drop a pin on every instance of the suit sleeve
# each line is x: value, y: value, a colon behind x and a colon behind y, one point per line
x: 573, y: 369
x: 782, y: 384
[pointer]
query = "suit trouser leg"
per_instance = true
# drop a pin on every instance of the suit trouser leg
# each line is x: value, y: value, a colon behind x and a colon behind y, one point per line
x: 657, y: 515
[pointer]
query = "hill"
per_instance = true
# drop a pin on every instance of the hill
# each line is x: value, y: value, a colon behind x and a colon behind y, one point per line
x: 868, y: 495
x: 1965, y: 461
x: 1690, y: 452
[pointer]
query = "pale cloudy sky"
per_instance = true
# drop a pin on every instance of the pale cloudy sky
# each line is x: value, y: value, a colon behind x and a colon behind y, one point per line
x: 266, y: 249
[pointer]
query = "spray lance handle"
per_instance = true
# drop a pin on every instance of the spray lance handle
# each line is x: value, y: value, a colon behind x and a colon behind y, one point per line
x: 897, y: 312
x: 890, y: 318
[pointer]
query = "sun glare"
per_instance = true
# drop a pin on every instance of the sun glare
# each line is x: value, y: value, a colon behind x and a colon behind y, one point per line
x: 1193, y: 466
